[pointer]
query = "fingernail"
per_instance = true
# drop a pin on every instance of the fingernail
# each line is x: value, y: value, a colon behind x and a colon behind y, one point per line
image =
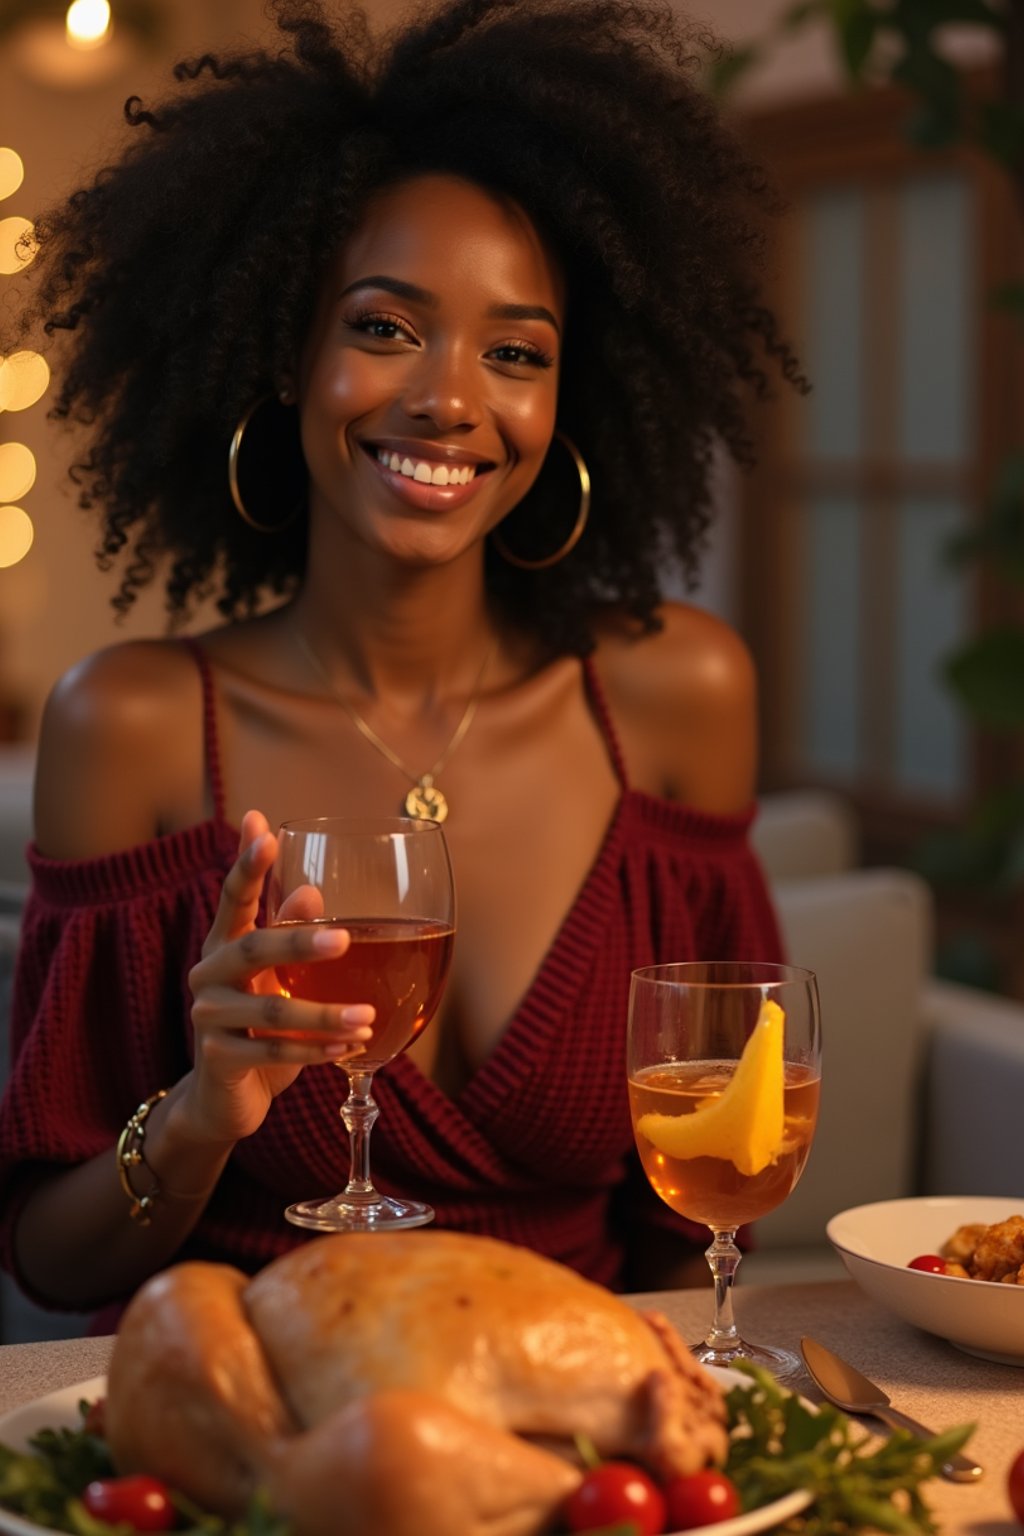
x: 252, y: 853
x: 330, y: 941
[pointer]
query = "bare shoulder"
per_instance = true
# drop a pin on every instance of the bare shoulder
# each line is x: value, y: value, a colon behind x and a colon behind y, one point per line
x: 684, y: 700
x: 121, y: 742
x: 693, y: 661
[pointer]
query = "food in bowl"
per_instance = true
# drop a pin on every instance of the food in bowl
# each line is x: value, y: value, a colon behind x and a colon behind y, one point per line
x: 438, y: 1379
x: 874, y: 1241
x: 980, y: 1252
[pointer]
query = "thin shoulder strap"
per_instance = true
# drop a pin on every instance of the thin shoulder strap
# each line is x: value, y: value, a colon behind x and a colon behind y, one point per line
x: 602, y: 714
x: 211, y: 744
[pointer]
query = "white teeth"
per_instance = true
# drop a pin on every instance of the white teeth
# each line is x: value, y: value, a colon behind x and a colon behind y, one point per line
x: 424, y: 472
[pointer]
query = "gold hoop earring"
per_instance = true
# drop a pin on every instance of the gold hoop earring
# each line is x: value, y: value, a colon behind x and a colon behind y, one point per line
x: 234, y: 452
x: 581, y: 518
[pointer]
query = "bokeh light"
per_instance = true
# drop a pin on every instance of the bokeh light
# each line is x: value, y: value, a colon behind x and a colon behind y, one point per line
x: 17, y: 244
x: 12, y: 172
x: 24, y: 377
x: 17, y: 471
x: 16, y: 535
x: 88, y: 22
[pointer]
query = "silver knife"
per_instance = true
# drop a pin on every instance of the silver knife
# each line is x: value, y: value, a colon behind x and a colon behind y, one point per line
x: 854, y: 1393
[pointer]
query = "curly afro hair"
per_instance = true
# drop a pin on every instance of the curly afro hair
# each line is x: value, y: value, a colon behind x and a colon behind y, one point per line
x: 186, y: 276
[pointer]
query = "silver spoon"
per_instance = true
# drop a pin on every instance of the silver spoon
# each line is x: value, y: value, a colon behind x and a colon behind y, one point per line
x: 843, y: 1385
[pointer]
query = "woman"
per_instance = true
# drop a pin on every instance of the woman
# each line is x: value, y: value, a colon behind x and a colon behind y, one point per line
x: 421, y: 288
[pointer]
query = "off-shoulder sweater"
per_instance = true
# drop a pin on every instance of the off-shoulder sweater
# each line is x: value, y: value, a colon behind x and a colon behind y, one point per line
x: 537, y: 1148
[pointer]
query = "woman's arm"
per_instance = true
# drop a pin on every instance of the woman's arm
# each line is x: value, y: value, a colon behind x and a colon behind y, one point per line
x: 75, y: 1242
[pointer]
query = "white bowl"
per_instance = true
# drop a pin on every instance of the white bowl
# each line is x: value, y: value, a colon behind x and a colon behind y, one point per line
x: 876, y: 1243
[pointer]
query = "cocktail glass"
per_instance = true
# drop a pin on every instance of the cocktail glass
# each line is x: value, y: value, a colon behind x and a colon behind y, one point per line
x: 724, y: 1069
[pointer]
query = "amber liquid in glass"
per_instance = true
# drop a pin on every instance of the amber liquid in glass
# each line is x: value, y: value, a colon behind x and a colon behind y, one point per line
x: 399, y: 965
x: 712, y: 1190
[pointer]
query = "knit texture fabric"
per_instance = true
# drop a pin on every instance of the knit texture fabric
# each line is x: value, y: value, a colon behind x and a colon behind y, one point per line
x: 536, y: 1149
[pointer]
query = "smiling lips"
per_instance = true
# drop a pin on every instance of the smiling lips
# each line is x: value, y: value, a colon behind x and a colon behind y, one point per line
x: 430, y: 484
x: 425, y: 472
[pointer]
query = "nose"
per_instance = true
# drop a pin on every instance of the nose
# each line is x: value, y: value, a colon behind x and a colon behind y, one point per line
x: 442, y: 389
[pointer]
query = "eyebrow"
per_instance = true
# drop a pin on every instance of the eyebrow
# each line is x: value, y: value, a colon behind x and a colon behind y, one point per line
x: 524, y: 312
x: 423, y: 296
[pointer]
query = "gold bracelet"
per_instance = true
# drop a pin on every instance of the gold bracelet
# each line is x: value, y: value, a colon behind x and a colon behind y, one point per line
x: 131, y: 1154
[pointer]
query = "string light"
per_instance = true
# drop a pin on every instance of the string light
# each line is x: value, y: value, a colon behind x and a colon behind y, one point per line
x: 16, y: 535
x: 24, y: 376
x: 12, y: 172
x: 24, y: 379
x: 17, y: 244
x: 17, y: 471
x: 88, y: 23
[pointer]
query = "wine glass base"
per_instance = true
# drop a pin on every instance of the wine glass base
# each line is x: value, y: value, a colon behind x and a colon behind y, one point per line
x: 377, y: 1213
x: 782, y: 1363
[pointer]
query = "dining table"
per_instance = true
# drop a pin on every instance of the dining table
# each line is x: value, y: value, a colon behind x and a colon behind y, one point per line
x: 926, y: 1377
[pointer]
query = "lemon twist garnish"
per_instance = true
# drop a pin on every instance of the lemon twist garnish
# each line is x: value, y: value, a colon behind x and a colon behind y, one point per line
x: 744, y: 1125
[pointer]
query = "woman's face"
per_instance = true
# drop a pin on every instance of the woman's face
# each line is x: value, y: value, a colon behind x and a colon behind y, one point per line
x: 429, y: 380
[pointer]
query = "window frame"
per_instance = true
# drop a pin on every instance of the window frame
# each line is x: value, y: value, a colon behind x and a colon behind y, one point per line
x: 861, y: 138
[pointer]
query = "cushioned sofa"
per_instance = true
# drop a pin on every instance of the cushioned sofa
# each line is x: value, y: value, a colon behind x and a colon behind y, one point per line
x: 922, y: 1080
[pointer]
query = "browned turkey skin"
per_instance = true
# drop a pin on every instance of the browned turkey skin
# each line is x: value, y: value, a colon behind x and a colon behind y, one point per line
x: 422, y: 1384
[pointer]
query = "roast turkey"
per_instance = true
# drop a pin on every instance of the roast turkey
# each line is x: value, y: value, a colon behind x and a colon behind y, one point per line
x: 414, y: 1384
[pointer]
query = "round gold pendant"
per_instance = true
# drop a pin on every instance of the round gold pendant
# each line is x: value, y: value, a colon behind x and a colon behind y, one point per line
x: 425, y: 802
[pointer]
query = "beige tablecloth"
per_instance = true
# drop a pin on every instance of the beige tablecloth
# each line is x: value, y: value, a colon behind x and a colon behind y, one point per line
x: 924, y: 1376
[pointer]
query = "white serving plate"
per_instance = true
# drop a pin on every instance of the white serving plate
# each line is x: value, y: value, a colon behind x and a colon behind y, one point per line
x: 59, y: 1410
x: 876, y: 1243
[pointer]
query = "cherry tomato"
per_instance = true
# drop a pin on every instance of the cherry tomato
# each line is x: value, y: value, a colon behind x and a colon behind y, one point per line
x: 613, y: 1493
x: 1015, y: 1486
x: 142, y: 1502
x: 703, y: 1498
x: 931, y: 1263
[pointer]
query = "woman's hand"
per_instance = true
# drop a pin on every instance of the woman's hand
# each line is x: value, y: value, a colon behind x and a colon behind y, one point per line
x: 236, y: 995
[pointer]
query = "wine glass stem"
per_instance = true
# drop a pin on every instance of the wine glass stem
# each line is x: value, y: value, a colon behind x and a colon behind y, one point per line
x: 723, y: 1256
x: 359, y: 1112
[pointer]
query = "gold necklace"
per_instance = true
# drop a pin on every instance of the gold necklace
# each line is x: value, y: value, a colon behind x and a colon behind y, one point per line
x: 424, y: 802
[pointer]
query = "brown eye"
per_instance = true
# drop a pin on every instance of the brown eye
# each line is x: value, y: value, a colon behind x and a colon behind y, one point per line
x: 522, y: 354
x: 381, y: 327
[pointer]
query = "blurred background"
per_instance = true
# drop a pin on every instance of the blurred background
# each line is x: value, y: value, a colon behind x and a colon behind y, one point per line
x: 875, y: 559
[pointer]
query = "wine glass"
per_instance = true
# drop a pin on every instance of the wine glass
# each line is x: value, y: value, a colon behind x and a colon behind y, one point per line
x: 389, y: 883
x: 724, y: 1069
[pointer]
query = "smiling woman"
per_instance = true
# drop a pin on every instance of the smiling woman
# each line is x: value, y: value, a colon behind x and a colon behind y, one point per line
x: 425, y: 398
x: 429, y: 379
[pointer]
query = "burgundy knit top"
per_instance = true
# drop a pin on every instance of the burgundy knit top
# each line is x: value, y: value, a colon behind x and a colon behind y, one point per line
x: 536, y: 1149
